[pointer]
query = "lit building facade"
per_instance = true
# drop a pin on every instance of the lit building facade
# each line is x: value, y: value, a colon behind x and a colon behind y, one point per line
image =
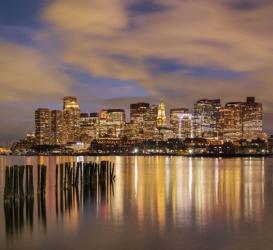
x: 241, y: 120
x: 138, y: 111
x: 161, y: 116
x: 164, y: 134
x: 252, y: 117
x: 150, y: 123
x: 111, y: 123
x: 89, y: 124
x: 43, y: 126
x: 181, y: 123
x: 233, y: 122
x: 71, y: 113
x: 185, y: 126
x: 143, y: 120
x: 57, y: 125
x: 230, y: 122
x: 206, y: 114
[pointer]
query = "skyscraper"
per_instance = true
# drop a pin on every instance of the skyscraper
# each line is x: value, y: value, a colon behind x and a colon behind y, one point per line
x: 252, y: 117
x: 175, y: 120
x: 230, y: 122
x: 185, y: 126
x: 111, y: 123
x: 71, y: 112
x: 241, y: 120
x: 89, y: 126
x: 206, y: 113
x: 57, y: 125
x: 139, y: 113
x: 143, y: 121
x: 161, y: 116
x: 43, y: 126
x: 150, y: 122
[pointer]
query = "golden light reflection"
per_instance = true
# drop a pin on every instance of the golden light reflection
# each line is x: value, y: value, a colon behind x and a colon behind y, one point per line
x: 195, y: 191
x: 160, y: 192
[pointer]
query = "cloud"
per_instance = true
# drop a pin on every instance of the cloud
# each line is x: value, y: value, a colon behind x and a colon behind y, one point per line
x: 28, y: 79
x: 224, y: 47
x: 101, y: 17
x: 178, y: 50
x: 195, y: 32
x: 26, y: 74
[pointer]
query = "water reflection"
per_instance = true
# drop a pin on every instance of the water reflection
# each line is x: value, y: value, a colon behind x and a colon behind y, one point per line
x: 194, y: 193
x: 155, y: 195
x: 18, y: 216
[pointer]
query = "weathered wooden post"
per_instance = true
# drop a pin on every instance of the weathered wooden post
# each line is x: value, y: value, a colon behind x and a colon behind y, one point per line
x: 15, y: 180
x: 39, y: 178
x: 61, y: 176
x: 56, y: 177
x: 21, y: 181
x: 30, y: 181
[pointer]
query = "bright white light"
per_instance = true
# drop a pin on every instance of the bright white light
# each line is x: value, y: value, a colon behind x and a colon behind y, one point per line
x: 190, y: 151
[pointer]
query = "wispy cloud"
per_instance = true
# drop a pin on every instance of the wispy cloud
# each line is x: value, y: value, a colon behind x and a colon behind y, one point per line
x: 180, y: 50
x: 215, y: 35
x: 26, y: 75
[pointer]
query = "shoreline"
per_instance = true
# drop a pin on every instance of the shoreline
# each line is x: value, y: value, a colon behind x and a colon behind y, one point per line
x: 181, y: 155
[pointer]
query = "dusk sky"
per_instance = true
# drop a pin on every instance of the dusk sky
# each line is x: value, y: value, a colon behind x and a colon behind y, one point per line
x: 110, y: 53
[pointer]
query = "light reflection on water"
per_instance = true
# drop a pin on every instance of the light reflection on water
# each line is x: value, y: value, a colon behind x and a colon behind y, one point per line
x: 155, y: 203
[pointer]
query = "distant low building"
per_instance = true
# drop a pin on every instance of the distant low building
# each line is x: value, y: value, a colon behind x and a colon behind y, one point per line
x: 4, y: 151
x: 165, y: 134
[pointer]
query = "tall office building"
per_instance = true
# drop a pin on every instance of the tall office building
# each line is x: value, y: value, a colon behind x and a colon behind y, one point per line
x: 111, y: 123
x: 206, y: 114
x: 143, y: 121
x: 230, y: 122
x: 138, y: 111
x: 176, y: 121
x: 57, y: 125
x: 43, y: 126
x: 138, y: 115
x: 240, y: 120
x: 71, y: 113
x: 252, y: 119
x: 89, y: 124
x: 185, y: 126
x: 116, y: 120
x: 150, y: 123
x: 161, y: 116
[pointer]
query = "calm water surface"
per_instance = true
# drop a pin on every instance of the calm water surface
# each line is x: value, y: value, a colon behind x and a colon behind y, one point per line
x: 155, y: 203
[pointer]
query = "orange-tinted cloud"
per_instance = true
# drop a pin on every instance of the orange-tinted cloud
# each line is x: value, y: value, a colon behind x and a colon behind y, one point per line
x: 230, y: 35
x: 101, y: 17
x: 107, y: 38
x: 27, y: 74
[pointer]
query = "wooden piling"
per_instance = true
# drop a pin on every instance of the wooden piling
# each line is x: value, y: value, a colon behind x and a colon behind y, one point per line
x: 21, y: 181
x: 39, y: 178
x: 56, y: 177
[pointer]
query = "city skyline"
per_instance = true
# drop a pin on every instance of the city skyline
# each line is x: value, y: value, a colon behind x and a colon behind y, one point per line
x: 188, y: 112
x: 178, y: 51
x: 211, y: 120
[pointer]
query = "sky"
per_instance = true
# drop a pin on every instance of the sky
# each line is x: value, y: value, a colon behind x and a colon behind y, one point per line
x: 110, y: 53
